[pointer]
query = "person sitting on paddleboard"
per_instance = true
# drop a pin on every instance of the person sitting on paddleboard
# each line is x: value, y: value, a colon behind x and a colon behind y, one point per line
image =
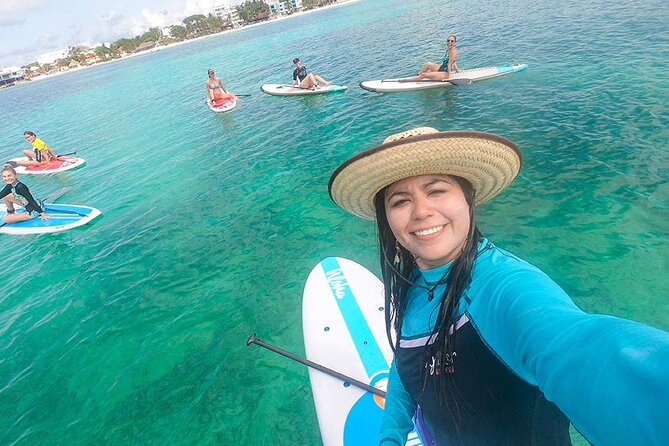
x: 17, y: 194
x: 216, y: 91
x: 41, y: 153
x: 449, y: 64
x: 492, y: 350
x: 304, y: 79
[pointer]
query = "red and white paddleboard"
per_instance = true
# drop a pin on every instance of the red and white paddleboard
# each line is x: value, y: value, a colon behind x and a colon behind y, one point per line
x: 56, y: 165
x: 222, y: 105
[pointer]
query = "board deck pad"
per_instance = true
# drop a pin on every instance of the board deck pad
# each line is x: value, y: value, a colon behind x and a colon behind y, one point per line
x: 344, y: 329
x: 289, y: 90
x: 222, y: 105
x: 56, y: 165
x: 473, y: 74
x: 61, y: 218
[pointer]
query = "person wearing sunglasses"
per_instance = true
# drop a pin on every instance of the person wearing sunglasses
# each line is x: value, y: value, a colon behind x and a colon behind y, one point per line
x: 437, y: 72
x: 216, y: 91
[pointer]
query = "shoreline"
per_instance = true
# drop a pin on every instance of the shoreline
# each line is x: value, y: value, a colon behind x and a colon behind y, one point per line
x: 184, y: 42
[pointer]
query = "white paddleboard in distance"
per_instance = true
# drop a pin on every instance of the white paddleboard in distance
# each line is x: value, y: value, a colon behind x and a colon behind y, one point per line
x: 289, y: 90
x: 222, y: 105
x: 344, y: 330
x: 56, y: 165
x: 61, y: 218
x: 474, y: 74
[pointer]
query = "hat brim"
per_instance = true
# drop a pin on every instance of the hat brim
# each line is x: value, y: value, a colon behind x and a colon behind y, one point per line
x: 489, y: 162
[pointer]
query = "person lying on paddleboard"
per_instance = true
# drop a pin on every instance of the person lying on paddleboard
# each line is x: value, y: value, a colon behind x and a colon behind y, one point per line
x: 16, y: 194
x: 216, y: 91
x: 492, y: 350
x: 434, y: 71
x: 41, y: 153
x: 304, y: 79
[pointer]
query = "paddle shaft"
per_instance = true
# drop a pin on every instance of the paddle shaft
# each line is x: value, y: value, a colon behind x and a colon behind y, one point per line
x: 255, y: 340
x: 67, y: 154
x: 455, y: 81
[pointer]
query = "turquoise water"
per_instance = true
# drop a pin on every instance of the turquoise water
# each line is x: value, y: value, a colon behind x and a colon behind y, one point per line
x: 132, y: 330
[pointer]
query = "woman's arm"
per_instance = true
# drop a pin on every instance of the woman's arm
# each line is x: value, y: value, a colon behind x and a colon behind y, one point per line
x: 608, y: 375
x: 398, y: 414
x: 452, y: 61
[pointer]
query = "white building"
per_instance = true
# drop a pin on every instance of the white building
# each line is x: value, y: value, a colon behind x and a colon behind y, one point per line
x: 52, y: 56
x: 227, y: 12
x: 11, y: 75
x: 282, y: 7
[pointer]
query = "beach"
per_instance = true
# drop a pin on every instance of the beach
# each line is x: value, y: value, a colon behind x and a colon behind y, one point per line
x: 133, y: 329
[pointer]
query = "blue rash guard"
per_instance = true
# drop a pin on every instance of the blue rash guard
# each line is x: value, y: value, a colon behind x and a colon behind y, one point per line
x: 526, y: 361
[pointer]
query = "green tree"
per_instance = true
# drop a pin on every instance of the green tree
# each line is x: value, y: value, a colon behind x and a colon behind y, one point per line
x: 103, y: 52
x: 178, y: 32
x: 195, y: 24
x: 215, y: 24
x: 253, y: 10
x: 152, y: 35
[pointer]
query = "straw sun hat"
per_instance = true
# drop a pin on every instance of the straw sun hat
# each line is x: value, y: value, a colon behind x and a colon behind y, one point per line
x: 490, y: 162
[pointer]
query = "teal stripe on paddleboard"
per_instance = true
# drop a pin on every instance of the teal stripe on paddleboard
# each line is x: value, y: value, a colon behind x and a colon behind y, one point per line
x: 371, y: 355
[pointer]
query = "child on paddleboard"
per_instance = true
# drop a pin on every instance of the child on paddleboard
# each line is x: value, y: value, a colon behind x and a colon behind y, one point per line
x: 16, y: 194
x: 41, y: 153
x: 491, y: 349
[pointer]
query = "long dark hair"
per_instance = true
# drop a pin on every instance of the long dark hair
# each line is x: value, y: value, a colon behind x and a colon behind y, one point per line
x: 398, y: 278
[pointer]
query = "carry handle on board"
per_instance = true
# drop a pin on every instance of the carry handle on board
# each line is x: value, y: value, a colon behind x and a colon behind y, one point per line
x: 253, y: 339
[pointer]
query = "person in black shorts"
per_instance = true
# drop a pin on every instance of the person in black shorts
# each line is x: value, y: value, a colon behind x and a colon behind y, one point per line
x: 303, y: 79
x: 17, y: 194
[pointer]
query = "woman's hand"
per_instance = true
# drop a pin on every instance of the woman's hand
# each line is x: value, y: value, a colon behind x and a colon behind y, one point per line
x: 44, y: 216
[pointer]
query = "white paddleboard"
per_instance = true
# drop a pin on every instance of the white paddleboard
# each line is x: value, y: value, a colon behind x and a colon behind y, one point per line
x: 56, y: 165
x: 474, y: 74
x: 223, y: 105
x: 61, y: 218
x: 288, y: 90
x: 344, y: 330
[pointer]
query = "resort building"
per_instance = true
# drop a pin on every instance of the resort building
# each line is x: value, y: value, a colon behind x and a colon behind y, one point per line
x: 49, y: 58
x: 9, y: 76
x: 227, y: 12
x: 283, y: 8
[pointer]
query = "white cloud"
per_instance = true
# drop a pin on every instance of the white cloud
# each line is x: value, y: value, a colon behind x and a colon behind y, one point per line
x: 15, y: 12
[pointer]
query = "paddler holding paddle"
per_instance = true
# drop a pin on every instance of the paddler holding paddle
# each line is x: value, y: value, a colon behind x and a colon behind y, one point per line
x: 41, y: 153
x: 492, y: 350
x: 216, y: 91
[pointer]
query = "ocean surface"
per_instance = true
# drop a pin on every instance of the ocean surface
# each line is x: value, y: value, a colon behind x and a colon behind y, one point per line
x: 132, y: 330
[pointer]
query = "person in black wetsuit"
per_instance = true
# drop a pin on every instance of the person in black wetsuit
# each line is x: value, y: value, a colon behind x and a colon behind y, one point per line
x: 303, y: 79
x: 16, y: 194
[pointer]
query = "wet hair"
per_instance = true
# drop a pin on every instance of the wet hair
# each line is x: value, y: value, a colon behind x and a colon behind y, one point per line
x: 9, y: 168
x: 399, y: 277
x: 28, y: 132
x: 455, y: 39
x: 296, y: 60
x: 210, y: 71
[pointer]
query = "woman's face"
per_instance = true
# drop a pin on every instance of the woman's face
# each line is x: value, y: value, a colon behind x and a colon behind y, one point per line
x: 30, y: 138
x: 8, y: 176
x: 450, y: 41
x: 429, y: 217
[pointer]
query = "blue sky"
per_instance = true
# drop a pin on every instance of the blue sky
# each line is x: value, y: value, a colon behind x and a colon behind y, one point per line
x: 29, y: 28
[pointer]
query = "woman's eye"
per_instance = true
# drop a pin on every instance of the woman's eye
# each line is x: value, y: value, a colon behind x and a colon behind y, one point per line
x: 398, y: 203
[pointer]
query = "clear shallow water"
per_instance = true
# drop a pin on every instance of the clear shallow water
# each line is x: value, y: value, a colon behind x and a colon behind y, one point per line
x: 132, y: 330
